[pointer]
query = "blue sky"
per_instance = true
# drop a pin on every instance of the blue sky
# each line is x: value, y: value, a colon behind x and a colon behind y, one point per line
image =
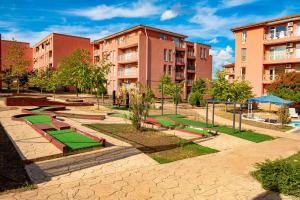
x: 207, y: 21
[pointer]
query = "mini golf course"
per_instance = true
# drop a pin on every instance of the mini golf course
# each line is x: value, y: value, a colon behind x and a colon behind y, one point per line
x: 60, y: 134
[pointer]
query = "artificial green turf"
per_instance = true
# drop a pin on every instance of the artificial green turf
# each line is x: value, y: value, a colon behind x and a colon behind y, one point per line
x: 165, y: 123
x: 118, y: 115
x: 197, y: 131
x: 42, y: 108
x: 73, y: 140
x: 39, y: 119
x: 247, y: 135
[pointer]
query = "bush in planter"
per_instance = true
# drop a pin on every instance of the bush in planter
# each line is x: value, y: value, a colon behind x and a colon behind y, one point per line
x: 279, y: 176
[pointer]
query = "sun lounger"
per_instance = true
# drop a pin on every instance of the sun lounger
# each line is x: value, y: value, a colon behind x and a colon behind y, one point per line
x: 292, y: 112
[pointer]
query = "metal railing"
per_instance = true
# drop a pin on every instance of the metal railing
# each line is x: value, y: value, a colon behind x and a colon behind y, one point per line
x: 179, y: 75
x: 282, y: 56
x: 270, y: 77
x: 278, y: 35
x: 191, y: 67
x: 128, y: 72
x: 189, y: 82
x: 180, y: 60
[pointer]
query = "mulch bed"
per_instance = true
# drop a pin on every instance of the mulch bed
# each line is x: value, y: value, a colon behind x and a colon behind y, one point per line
x: 12, y: 172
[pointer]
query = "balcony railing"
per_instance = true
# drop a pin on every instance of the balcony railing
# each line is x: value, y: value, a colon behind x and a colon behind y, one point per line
x: 179, y: 60
x: 278, y: 35
x: 191, y: 54
x: 270, y: 78
x: 128, y: 56
x: 189, y: 82
x: 191, y: 67
x: 128, y: 72
x: 179, y: 75
x: 281, y: 56
x: 97, y: 52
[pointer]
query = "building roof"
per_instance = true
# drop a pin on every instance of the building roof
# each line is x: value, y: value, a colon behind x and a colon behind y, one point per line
x: 268, y: 22
x: 230, y: 65
x: 140, y: 26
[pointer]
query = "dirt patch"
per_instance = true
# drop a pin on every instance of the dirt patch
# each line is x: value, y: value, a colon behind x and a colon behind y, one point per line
x: 12, y: 172
x: 160, y: 146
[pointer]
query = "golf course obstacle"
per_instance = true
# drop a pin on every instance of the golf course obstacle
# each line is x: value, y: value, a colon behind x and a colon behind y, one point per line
x: 63, y: 136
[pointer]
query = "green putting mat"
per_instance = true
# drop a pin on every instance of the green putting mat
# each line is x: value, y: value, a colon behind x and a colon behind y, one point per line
x: 39, y: 119
x: 73, y: 140
x: 40, y: 109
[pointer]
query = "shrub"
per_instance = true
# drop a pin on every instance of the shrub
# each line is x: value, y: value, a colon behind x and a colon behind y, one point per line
x: 196, y: 99
x: 279, y: 176
x: 283, y: 115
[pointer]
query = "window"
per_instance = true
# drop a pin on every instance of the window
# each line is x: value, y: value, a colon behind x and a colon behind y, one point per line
x: 170, y: 70
x: 165, y: 69
x: 243, y: 73
x: 244, y: 37
x: 163, y: 36
x: 201, y: 54
x: 177, y: 42
x: 204, y: 52
x: 244, y: 54
x: 165, y: 55
x: 170, y: 55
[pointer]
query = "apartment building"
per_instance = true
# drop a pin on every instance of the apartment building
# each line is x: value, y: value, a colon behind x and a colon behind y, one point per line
x: 143, y: 54
x: 4, y: 49
x: 229, y: 72
x: 266, y: 49
x: 49, y: 51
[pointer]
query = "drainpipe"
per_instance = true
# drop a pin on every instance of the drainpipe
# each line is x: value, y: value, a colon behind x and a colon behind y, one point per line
x: 147, y: 64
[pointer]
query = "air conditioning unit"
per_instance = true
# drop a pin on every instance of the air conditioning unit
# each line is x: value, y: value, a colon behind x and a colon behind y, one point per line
x: 290, y: 45
x: 288, y: 66
x: 290, y: 24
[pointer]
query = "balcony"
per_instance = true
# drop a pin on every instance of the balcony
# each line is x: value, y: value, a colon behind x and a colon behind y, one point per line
x: 189, y: 82
x: 191, y: 68
x: 179, y: 61
x: 281, y: 58
x: 229, y: 71
x: 191, y: 55
x: 267, y: 78
x: 179, y: 46
x: 128, y: 57
x: 179, y: 76
x: 128, y: 73
x: 97, y: 52
x: 280, y: 37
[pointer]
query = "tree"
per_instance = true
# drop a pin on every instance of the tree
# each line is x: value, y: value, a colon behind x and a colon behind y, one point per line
x: 53, y: 82
x: 17, y: 64
x: 140, y: 98
x: 283, y: 115
x: 170, y: 88
x: 39, y: 78
x: 287, y: 86
x: 198, y: 90
x: 97, y: 75
x: 74, y: 70
x: 8, y: 78
x: 223, y: 90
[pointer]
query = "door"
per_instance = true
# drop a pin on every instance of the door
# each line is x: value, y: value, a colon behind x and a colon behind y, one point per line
x: 297, y: 50
x: 272, y: 73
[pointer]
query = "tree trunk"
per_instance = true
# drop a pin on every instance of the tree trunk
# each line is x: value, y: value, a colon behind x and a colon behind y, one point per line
x: 76, y: 92
x: 18, y: 86
x: 98, y: 107
x: 102, y: 99
x: 54, y: 94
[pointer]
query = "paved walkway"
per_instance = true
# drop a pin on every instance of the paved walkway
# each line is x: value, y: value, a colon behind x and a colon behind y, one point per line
x: 224, y: 175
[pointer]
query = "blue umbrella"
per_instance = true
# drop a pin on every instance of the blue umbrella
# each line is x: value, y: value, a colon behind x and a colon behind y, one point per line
x: 271, y: 99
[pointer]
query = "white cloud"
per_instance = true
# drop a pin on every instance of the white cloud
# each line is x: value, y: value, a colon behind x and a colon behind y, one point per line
x: 221, y: 57
x: 168, y: 14
x: 213, y: 41
x: 235, y: 3
x: 133, y: 10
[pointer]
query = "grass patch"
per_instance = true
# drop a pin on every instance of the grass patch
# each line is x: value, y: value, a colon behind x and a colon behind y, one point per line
x: 161, y: 147
x: 39, y: 119
x: 245, y: 134
x: 280, y: 175
x: 73, y: 140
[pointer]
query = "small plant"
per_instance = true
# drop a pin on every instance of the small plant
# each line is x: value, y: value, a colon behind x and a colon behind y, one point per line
x: 283, y: 115
x: 279, y: 176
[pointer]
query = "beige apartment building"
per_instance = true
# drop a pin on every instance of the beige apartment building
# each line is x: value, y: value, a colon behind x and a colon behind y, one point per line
x: 144, y: 54
x: 229, y: 72
x: 266, y: 49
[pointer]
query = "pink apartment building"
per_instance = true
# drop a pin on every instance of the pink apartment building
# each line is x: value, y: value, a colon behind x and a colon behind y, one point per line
x: 143, y: 54
x: 266, y: 49
x: 49, y: 51
x: 4, y: 46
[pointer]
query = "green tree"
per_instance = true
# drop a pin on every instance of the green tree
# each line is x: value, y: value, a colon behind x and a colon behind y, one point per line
x: 8, y: 79
x: 283, y: 115
x: 74, y: 70
x: 287, y: 86
x: 199, y: 89
x: 97, y: 77
x: 53, y: 82
x: 170, y: 88
x: 140, y: 98
x: 39, y: 78
x: 17, y: 64
x: 223, y: 90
